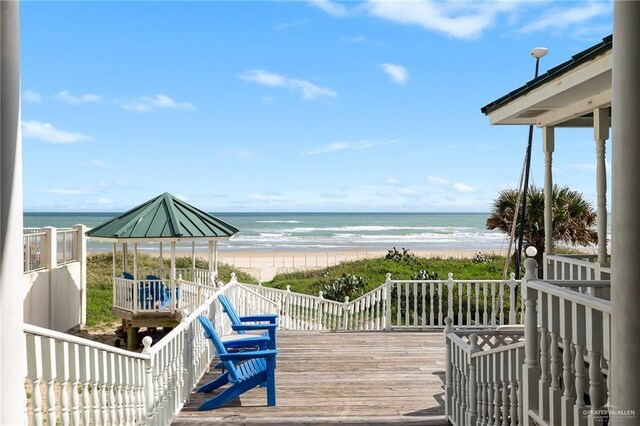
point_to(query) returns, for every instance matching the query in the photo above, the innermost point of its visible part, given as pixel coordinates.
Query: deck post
(448, 386)
(472, 409)
(12, 341)
(530, 369)
(625, 291)
(81, 255)
(387, 310)
(149, 398)
(548, 146)
(601, 134)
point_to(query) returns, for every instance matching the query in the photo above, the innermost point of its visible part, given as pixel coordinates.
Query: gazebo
(158, 297)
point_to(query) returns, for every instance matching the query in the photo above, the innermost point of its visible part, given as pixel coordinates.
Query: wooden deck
(342, 377)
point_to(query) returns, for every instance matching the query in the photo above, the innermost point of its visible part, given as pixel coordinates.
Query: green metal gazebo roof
(164, 218)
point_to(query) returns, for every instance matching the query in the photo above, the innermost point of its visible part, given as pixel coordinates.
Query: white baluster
(450, 284)
(49, 374)
(448, 386)
(581, 382)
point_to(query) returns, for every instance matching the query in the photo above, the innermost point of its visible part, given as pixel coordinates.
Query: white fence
(483, 382)
(54, 277)
(583, 267)
(401, 304)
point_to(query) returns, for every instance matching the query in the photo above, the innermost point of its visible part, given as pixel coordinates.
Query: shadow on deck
(342, 377)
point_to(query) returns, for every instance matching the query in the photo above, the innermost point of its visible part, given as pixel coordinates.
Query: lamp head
(531, 251)
(539, 52)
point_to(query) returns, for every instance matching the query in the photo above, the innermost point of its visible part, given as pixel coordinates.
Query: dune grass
(373, 272)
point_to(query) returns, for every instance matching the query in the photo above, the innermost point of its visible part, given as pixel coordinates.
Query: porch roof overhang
(564, 96)
(163, 219)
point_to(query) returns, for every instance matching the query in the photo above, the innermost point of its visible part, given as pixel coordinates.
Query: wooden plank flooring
(342, 377)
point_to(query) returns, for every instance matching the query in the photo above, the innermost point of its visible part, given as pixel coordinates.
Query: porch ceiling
(565, 96)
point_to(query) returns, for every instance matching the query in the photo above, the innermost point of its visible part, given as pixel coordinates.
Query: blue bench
(244, 370)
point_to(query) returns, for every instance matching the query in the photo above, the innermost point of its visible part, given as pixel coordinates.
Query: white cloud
(285, 25)
(307, 89)
(269, 198)
(406, 191)
(562, 18)
(46, 132)
(147, 103)
(64, 191)
(466, 20)
(397, 73)
(67, 97)
(461, 187)
(103, 201)
(31, 96)
(392, 181)
(331, 7)
(265, 78)
(336, 146)
(435, 180)
(339, 146)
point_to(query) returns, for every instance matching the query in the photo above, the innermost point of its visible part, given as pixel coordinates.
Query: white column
(12, 358)
(600, 135)
(172, 276)
(625, 345)
(81, 254)
(548, 146)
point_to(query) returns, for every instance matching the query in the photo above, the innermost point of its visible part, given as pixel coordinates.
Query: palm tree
(574, 219)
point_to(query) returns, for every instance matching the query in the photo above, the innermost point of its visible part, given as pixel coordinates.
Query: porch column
(625, 291)
(548, 146)
(12, 362)
(600, 135)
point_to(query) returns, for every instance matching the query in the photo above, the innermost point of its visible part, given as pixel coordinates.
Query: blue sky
(289, 105)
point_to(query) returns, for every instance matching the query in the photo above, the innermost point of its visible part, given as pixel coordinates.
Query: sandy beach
(266, 264)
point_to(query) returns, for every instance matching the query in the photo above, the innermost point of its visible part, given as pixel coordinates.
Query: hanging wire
(515, 221)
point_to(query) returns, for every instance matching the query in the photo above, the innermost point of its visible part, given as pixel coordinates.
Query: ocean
(325, 231)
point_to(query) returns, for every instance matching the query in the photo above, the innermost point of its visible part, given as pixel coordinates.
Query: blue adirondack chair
(156, 292)
(244, 370)
(238, 323)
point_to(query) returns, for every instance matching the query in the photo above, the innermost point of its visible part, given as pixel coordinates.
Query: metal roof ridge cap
(173, 217)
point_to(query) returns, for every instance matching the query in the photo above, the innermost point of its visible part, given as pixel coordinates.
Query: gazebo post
(193, 261)
(215, 257)
(113, 253)
(172, 276)
(161, 262)
(135, 260)
(125, 247)
(210, 259)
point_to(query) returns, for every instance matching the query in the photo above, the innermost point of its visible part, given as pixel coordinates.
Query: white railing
(483, 382)
(475, 303)
(568, 357)
(77, 381)
(401, 304)
(202, 276)
(575, 267)
(34, 250)
(155, 295)
(66, 244)
(71, 380)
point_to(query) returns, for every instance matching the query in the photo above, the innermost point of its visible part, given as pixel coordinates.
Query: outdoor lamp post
(537, 52)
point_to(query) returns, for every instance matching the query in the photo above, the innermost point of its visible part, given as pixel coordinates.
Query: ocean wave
(376, 228)
(278, 221)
